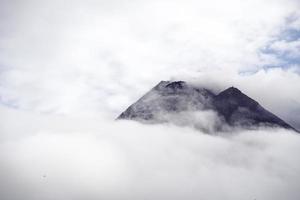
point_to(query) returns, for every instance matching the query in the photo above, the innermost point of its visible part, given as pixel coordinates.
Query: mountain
(188, 105)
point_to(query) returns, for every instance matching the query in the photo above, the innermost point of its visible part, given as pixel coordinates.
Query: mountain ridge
(232, 107)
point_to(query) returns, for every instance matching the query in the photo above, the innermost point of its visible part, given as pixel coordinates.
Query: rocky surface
(175, 101)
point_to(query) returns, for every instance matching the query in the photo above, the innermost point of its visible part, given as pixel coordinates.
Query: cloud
(74, 56)
(89, 60)
(291, 49)
(83, 158)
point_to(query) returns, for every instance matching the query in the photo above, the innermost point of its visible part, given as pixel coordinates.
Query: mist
(88, 158)
(69, 68)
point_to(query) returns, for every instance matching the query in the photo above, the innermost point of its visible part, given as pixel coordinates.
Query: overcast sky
(100, 56)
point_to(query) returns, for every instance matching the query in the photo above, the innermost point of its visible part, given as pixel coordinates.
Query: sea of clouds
(69, 68)
(56, 157)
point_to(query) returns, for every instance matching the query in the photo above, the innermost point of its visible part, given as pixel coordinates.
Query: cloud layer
(77, 158)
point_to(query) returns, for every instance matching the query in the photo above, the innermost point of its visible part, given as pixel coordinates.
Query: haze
(69, 68)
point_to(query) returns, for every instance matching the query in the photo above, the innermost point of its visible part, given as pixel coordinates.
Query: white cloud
(89, 56)
(96, 57)
(290, 49)
(81, 158)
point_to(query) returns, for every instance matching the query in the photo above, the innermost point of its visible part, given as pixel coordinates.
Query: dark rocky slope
(231, 107)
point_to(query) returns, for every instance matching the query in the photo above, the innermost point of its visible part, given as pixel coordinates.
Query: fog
(51, 157)
(69, 68)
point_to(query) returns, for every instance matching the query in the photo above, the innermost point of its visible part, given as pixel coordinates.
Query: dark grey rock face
(239, 109)
(174, 101)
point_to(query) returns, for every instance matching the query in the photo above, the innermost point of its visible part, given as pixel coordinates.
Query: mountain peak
(176, 85)
(232, 107)
(231, 99)
(230, 91)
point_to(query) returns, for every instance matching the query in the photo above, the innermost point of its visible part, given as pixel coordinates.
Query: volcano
(173, 102)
